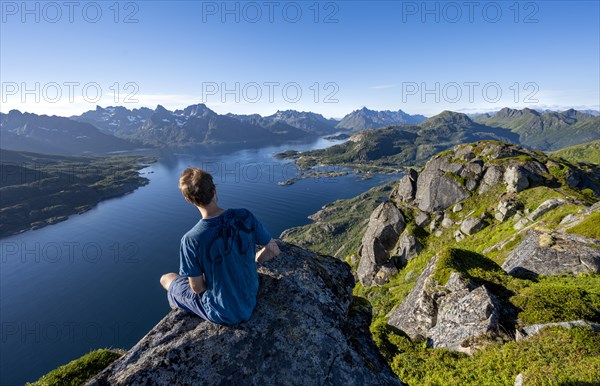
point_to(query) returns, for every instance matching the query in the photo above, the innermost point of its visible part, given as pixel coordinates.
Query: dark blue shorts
(181, 296)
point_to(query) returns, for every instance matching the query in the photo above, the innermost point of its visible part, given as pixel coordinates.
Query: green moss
(589, 193)
(388, 338)
(555, 216)
(418, 232)
(444, 153)
(589, 227)
(552, 300)
(518, 159)
(80, 370)
(554, 356)
(558, 170)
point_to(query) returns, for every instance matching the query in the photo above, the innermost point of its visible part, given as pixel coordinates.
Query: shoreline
(66, 188)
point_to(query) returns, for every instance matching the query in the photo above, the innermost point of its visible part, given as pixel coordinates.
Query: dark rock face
(553, 254)
(448, 316)
(385, 226)
(305, 330)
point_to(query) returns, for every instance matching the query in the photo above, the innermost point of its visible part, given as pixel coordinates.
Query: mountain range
(198, 124)
(550, 130)
(56, 135)
(402, 145)
(118, 128)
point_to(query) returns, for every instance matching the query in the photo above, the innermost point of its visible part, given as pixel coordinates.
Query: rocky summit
(486, 240)
(307, 329)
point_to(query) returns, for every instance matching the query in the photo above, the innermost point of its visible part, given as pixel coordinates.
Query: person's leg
(181, 296)
(167, 279)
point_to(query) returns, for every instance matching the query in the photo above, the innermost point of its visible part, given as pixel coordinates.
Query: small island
(41, 189)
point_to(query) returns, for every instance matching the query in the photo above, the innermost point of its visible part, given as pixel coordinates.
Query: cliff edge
(307, 329)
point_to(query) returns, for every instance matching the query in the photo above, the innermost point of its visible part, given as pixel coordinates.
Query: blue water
(92, 281)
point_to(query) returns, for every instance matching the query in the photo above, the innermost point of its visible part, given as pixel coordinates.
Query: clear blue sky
(382, 55)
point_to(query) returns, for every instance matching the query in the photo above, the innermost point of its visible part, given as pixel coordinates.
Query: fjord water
(92, 281)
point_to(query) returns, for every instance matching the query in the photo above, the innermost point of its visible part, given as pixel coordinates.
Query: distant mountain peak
(365, 118)
(195, 110)
(449, 118)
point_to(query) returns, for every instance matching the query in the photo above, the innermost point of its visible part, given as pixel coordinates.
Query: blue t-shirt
(222, 248)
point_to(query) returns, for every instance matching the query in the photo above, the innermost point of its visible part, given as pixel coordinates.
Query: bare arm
(197, 284)
(268, 252)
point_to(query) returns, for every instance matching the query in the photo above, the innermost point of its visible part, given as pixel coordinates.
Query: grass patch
(532, 198)
(80, 370)
(590, 227)
(562, 298)
(555, 356)
(585, 152)
(473, 265)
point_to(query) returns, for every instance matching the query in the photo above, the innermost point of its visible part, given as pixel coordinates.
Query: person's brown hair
(197, 186)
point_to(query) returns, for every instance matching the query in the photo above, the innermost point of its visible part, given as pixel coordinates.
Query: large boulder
(437, 190)
(416, 315)
(515, 179)
(555, 253)
(377, 248)
(450, 316)
(407, 187)
(462, 314)
(493, 175)
(305, 330)
(472, 225)
(408, 247)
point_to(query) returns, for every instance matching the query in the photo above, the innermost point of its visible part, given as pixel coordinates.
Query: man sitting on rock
(217, 274)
